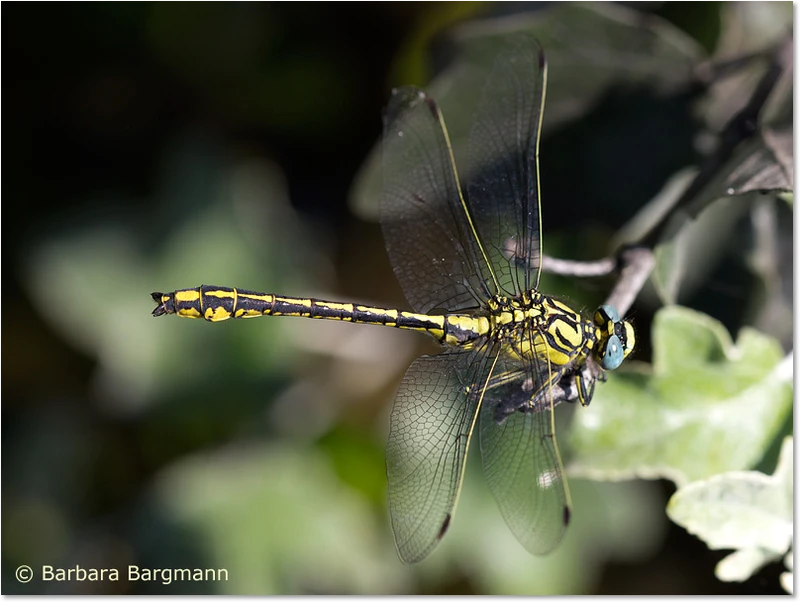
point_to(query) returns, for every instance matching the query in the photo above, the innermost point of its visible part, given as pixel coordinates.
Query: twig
(739, 128)
(635, 262)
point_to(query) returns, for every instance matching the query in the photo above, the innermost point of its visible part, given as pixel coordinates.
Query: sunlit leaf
(749, 512)
(705, 406)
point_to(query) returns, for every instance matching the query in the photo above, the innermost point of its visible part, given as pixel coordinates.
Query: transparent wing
(503, 187)
(432, 421)
(431, 242)
(521, 460)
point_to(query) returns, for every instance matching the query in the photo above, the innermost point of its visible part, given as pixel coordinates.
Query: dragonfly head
(615, 337)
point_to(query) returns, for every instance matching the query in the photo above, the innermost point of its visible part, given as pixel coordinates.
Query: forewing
(431, 243)
(521, 460)
(503, 178)
(432, 421)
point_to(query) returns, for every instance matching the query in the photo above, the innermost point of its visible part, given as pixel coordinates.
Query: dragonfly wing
(431, 425)
(431, 243)
(522, 463)
(503, 167)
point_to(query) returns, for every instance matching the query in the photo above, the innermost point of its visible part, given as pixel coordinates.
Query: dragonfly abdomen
(218, 303)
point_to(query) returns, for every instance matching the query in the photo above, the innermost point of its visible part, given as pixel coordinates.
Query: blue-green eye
(611, 312)
(614, 354)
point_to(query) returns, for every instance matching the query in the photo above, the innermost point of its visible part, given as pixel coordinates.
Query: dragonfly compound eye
(605, 314)
(614, 353)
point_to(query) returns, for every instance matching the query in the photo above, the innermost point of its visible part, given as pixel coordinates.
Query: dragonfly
(468, 258)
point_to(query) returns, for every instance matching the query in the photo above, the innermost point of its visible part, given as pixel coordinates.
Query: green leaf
(92, 279)
(749, 512)
(706, 406)
(277, 518)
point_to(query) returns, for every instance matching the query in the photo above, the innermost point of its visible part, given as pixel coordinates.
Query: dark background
(120, 118)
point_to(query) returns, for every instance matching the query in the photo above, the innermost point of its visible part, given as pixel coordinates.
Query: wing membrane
(521, 460)
(454, 253)
(431, 242)
(432, 421)
(503, 152)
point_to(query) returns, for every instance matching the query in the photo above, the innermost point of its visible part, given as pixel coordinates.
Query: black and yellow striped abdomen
(218, 303)
(533, 327)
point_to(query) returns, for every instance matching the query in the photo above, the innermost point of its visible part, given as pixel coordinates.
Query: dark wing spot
(567, 515)
(445, 526)
(432, 106)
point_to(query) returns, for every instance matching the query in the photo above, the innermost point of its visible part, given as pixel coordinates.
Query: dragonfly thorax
(536, 327)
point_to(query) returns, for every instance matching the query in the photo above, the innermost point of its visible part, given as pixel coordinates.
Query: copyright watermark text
(165, 576)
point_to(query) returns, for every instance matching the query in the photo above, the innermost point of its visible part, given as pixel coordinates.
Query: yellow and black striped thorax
(536, 326)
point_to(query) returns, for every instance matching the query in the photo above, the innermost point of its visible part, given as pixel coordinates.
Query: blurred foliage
(157, 146)
(704, 407)
(749, 512)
